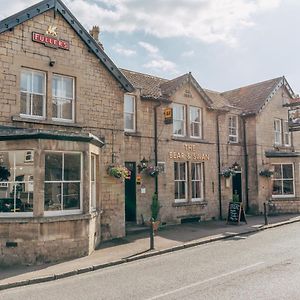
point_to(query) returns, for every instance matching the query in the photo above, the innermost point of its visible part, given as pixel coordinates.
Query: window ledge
(234, 143)
(46, 122)
(193, 203)
(48, 219)
(188, 139)
(133, 133)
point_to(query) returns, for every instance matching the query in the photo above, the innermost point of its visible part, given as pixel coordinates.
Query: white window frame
(197, 123)
(182, 120)
(198, 181)
(277, 132)
(176, 181)
(233, 138)
(132, 113)
(282, 179)
(62, 99)
(286, 134)
(5, 184)
(29, 156)
(93, 181)
(30, 93)
(73, 211)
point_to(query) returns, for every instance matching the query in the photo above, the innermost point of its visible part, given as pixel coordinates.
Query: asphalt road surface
(265, 265)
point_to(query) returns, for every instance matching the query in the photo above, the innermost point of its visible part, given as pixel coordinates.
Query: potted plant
(227, 172)
(155, 207)
(151, 171)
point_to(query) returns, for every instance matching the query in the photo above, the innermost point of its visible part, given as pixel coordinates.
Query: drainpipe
(219, 168)
(246, 163)
(156, 145)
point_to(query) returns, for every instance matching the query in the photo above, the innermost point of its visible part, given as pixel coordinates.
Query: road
(265, 265)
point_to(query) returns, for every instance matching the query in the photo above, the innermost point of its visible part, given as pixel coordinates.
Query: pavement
(136, 245)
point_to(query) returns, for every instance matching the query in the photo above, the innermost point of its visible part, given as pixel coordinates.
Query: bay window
(33, 94)
(16, 182)
(62, 182)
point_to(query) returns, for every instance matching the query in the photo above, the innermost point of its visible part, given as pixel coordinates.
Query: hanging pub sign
(168, 114)
(50, 39)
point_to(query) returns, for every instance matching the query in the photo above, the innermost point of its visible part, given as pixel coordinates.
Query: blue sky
(224, 43)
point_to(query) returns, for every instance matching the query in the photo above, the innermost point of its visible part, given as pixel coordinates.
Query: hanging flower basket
(227, 173)
(119, 172)
(266, 173)
(152, 171)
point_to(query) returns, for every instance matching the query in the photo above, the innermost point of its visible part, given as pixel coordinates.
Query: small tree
(155, 207)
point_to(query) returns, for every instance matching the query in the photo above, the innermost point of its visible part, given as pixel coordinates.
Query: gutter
(246, 162)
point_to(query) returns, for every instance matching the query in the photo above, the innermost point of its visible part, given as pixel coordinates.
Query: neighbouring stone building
(69, 119)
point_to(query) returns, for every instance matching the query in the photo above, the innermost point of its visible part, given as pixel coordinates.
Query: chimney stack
(94, 32)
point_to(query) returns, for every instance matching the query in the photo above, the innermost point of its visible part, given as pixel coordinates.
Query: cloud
(123, 51)
(188, 53)
(161, 64)
(206, 20)
(149, 48)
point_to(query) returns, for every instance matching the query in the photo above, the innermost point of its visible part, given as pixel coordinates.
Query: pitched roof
(159, 88)
(41, 7)
(252, 98)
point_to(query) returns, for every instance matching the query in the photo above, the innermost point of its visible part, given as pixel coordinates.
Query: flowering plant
(119, 172)
(151, 171)
(227, 172)
(266, 173)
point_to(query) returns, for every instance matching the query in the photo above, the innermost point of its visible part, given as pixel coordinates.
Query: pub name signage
(189, 153)
(50, 39)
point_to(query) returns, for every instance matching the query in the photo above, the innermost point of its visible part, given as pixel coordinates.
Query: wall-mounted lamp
(142, 165)
(52, 62)
(236, 166)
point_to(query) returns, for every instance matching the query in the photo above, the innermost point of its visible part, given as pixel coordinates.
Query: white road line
(205, 281)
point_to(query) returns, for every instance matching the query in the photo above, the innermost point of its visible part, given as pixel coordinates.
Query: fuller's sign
(50, 41)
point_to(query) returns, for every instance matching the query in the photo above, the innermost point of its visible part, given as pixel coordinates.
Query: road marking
(205, 281)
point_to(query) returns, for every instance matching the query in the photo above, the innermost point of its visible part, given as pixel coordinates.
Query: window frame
(181, 200)
(61, 99)
(199, 109)
(277, 133)
(5, 184)
(65, 212)
(286, 134)
(183, 121)
(234, 137)
(93, 182)
(133, 113)
(199, 181)
(44, 94)
(282, 179)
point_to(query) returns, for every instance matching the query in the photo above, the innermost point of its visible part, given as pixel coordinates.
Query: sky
(226, 44)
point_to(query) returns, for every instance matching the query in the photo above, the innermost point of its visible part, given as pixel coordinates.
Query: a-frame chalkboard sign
(236, 213)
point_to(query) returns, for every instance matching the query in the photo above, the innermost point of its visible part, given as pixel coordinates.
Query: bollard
(265, 214)
(151, 235)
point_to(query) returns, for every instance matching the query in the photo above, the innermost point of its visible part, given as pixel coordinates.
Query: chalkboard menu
(236, 213)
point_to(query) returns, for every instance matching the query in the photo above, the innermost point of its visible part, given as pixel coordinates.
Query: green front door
(130, 193)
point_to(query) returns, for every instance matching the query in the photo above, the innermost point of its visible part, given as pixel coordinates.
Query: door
(130, 193)
(237, 185)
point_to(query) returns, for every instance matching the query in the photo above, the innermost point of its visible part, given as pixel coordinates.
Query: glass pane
(53, 166)
(287, 171)
(129, 121)
(68, 87)
(93, 168)
(277, 171)
(288, 188)
(93, 194)
(25, 104)
(37, 105)
(55, 108)
(38, 83)
(277, 187)
(52, 196)
(25, 81)
(71, 195)
(181, 190)
(195, 129)
(196, 189)
(129, 104)
(8, 198)
(55, 87)
(182, 171)
(72, 163)
(6, 166)
(178, 127)
(66, 109)
(176, 173)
